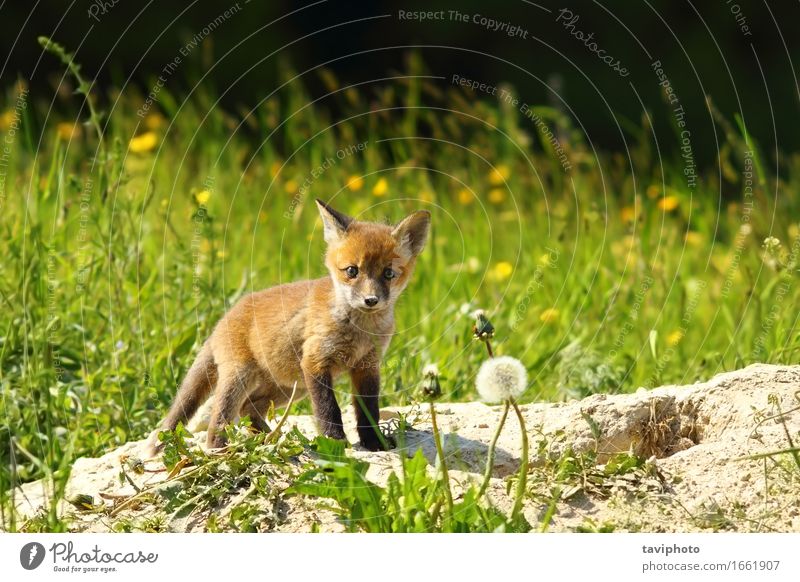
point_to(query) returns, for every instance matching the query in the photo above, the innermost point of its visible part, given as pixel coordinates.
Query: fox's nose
(371, 300)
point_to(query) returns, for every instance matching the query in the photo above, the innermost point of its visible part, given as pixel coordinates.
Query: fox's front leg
(319, 384)
(366, 379)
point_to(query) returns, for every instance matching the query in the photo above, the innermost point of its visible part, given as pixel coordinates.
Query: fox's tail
(200, 380)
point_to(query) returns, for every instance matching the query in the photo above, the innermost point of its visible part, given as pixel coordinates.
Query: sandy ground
(695, 438)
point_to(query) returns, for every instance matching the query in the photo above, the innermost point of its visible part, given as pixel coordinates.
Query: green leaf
(653, 344)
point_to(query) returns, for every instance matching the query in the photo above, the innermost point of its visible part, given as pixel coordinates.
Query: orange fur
(309, 332)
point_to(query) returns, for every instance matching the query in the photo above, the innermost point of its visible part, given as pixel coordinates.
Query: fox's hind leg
(195, 388)
(232, 388)
(255, 405)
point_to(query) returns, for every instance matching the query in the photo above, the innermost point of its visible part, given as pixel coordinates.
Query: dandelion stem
(522, 480)
(489, 348)
(440, 452)
(487, 476)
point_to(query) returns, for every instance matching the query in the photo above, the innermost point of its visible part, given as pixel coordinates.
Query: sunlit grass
(115, 271)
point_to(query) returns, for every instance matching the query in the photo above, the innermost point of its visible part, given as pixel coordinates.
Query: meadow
(604, 273)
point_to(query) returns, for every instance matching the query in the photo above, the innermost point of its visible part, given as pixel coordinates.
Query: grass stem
(442, 463)
(487, 476)
(522, 480)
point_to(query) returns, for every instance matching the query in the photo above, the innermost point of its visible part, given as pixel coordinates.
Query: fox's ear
(334, 222)
(412, 232)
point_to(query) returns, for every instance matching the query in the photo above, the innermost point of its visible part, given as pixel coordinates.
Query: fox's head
(371, 263)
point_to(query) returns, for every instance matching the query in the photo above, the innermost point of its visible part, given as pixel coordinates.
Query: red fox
(309, 332)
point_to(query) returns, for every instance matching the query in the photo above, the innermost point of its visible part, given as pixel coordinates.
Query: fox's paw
(153, 446)
(336, 433)
(375, 443)
(216, 440)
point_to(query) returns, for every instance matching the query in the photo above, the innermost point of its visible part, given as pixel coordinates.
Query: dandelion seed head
(501, 378)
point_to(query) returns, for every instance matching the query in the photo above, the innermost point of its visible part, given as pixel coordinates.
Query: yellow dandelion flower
(154, 121)
(465, 197)
(693, 238)
(545, 259)
(675, 337)
(502, 271)
(426, 196)
(275, 168)
(653, 192)
(629, 241)
(262, 217)
(499, 174)
(497, 195)
(628, 214)
(67, 131)
(205, 246)
(549, 315)
(668, 203)
(143, 143)
(291, 186)
(380, 188)
(355, 183)
(6, 119)
(794, 231)
(220, 254)
(203, 196)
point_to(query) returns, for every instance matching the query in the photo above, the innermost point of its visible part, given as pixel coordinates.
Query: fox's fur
(309, 332)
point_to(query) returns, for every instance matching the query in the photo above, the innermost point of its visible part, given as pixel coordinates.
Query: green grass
(416, 503)
(114, 272)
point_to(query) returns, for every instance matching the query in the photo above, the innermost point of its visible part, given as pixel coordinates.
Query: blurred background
(738, 53)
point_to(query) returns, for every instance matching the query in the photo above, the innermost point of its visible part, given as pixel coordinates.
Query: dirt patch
(698, 441)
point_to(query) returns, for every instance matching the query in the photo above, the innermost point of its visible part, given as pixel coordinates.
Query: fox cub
(309, 332)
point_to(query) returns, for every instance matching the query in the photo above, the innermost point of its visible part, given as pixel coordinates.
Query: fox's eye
(352, 271)
(389, 274)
